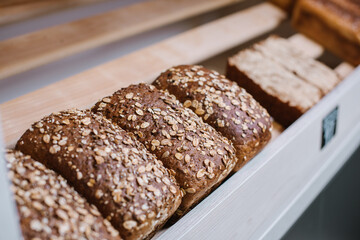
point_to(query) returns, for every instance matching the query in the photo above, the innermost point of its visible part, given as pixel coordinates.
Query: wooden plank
(16, 12)
(13, 2)
(41, 47)
(86, 88)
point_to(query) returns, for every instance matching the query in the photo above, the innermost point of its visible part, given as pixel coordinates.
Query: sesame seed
(107, 100)
(98, 194)
(200, 173)
(235, 102)
(99, 159)
(36, 225)
(166, 142)
(46, 138)
(187, 103)
(79, 175)
(54, 149)
(86, 121)
(141, 169)
(61, 214)
(140, 181)
(190, 190)
(86, 132)
(178, 156)
(220, 123)
(91, 182)
(129, 224)
(49, 201)
(165, 154)
(187, 158)
(200, 111)
(62, 142)
(117, 195)
(155, 143)
(172, 189)
(145, 125)
(129, 96)
(195, 142)
(139, 112)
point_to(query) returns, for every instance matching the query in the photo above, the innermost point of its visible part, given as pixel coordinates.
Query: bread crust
(196, 154)
(222, 104)
(48, 207)
(108, 166)
(279, 90)
(281, 51)
(281, 111)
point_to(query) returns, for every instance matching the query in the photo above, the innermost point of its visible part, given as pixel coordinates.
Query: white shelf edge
(9, 222)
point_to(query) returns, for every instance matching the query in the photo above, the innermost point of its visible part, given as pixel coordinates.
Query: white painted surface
(9, 224)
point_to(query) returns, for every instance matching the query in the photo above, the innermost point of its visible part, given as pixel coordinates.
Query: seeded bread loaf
(48, 207)
(108, 166)
(222, 104)
(279, 90)
(314, 72)
(335, 24)
(198, 156)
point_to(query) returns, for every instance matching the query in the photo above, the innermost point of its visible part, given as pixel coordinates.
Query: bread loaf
(222, 104)
(198, 156)
(335, 24)
(108, 166)
(314, 72)
(280, 91)
(48, 207)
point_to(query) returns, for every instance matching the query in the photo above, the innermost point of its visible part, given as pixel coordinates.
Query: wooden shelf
(19, 11)
(38, 48)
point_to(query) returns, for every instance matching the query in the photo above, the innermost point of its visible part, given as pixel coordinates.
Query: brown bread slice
(282, 93)
(48, 207)
(222, 104)
(199, 157)
(335, 24)
(108, 166)
(314, 72)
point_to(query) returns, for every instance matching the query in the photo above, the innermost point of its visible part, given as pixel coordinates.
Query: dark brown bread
(279, 90)
(335, 24)
(108, 166)
(48, 207)
(198, 156)
(222, 104)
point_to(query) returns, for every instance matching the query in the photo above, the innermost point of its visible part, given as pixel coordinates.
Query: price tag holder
(329, 124)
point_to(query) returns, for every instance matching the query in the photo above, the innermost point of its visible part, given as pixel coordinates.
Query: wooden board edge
(41, 47)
